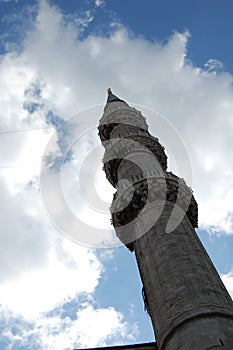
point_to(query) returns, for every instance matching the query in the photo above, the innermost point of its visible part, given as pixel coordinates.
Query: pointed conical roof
(112, 97)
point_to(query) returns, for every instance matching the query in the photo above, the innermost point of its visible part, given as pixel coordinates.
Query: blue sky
(57, 60)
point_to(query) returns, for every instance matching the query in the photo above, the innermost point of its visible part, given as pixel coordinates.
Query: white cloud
(42, 288)
(37, 262)
(112, 326)
(228, 281)
(83, 22)
(213, 65)
(99, 3)
(89, 327)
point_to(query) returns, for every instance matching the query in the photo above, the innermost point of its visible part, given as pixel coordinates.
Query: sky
(65, 280)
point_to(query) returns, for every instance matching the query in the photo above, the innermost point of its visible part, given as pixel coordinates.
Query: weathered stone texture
(154, 213)
(182, 286)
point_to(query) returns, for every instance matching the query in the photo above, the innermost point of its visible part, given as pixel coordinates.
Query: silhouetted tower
(154, 214)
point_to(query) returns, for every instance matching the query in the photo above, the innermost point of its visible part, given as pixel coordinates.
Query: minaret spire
(111, 96)
(189, 306)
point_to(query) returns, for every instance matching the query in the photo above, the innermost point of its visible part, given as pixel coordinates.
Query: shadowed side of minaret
(189, 306)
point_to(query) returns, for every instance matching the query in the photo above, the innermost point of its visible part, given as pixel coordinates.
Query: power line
(25, 130)
(32, 129)
(45, 128)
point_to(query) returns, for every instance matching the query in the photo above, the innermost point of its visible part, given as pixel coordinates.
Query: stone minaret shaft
(154, 214)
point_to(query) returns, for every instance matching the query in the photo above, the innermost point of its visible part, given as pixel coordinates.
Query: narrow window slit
(221, 342)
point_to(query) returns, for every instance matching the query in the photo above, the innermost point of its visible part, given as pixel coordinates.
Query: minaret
(154, 214)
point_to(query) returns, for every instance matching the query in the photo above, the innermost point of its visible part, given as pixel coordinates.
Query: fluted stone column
(154, 214)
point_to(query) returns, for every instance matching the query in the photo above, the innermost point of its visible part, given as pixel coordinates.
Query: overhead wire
(33, 129)
(45, 128)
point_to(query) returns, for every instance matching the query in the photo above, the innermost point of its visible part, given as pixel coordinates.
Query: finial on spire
(111, 97)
